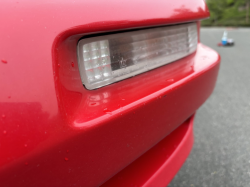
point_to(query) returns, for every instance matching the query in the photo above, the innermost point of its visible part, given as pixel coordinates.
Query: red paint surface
(158, 166)
(4, 61)
(46, 107)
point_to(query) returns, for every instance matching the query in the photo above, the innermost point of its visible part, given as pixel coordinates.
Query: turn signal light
(110, 58)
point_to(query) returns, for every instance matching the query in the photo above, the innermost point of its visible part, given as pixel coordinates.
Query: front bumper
(159, 165)
(98, 133)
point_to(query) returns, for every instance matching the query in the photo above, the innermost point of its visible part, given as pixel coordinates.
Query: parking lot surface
(221, 153)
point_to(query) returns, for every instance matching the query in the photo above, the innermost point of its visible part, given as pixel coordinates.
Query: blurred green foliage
(228, 13)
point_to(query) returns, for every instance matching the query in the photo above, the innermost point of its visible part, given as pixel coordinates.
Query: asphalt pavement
(221, 153)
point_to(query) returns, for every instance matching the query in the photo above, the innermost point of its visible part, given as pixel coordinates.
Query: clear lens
(107, 59)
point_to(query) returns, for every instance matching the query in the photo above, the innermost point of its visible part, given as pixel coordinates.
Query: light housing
(106, 59)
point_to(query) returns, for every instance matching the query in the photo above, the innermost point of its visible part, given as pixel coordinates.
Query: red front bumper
(57, 133)
(159, 165)
(86, 145)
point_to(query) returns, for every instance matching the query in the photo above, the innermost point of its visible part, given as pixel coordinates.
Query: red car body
(54, 132)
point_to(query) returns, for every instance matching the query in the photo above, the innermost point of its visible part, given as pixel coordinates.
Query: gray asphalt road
(221, 153)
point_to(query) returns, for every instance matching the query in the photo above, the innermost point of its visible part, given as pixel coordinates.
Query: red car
(100, 93)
